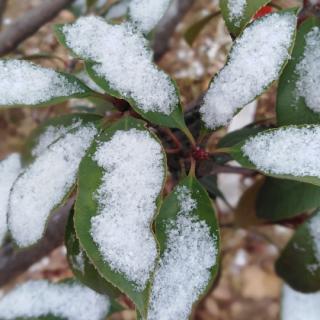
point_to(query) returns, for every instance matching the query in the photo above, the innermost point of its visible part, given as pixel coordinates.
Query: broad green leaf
(186, 223)
(82, 267)
(87, 207)
(236, 23)
(234, 137)
(245, 213)
(283, 199)
(53, 129)
(23, 83)
(44, 300)
(250, 71)
(46, 183)
(173, 120)
(195, 29)
(292, 109)
(299, 263)
(238, 154)
(211, 185)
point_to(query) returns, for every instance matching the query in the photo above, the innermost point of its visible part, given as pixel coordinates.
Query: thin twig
(29, 23)
(13, 262)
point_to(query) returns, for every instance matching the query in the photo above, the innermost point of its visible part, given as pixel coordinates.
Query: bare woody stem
(29, 23)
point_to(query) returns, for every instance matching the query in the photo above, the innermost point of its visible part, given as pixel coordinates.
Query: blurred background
(247, 287)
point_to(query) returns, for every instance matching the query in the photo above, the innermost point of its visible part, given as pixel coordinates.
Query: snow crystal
(236, 10)
(123, 60)
(299, 306)
(308, 71)
(146, 14)
(24, 83)
(133, 178)
(184, 269)
(41, 298)
(254, 62)
(50, 135)
(314, 227)
(44, 184)
(79, 261)
(290, 150)
(9, 171)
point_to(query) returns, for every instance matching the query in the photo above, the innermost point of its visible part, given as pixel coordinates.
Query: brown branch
(13, 262)
(28, 24)
(168, 25)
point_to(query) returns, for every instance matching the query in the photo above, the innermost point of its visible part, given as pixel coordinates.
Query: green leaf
(114, 306)
(299, 264)
(195, 29)
(82, 267)
(65, 121)
(283, 199)
(211, 185)
(245, 214)
(188, 190)
(236, 26)
(54, 82)
(32, 199)
(290, 108)
(173, 120)
(212, 116)
(234, 137)
(86, 207)
(238, 154)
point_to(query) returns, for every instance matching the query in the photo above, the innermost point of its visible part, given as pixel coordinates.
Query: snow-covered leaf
(299, 306)
(119, 61)
(46, 183)
(238, 13)
(82, 267)
(299, 263)
(146, 14)
(9, 171)
(256, 60)
(298, 99)
(234, 137)
(288, 152)
(68, 300)
(187, 231)
(284, 199)
(120, 184)
(52, 130)
(23, 83)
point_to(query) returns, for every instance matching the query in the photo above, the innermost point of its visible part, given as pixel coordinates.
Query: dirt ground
(248, 288)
